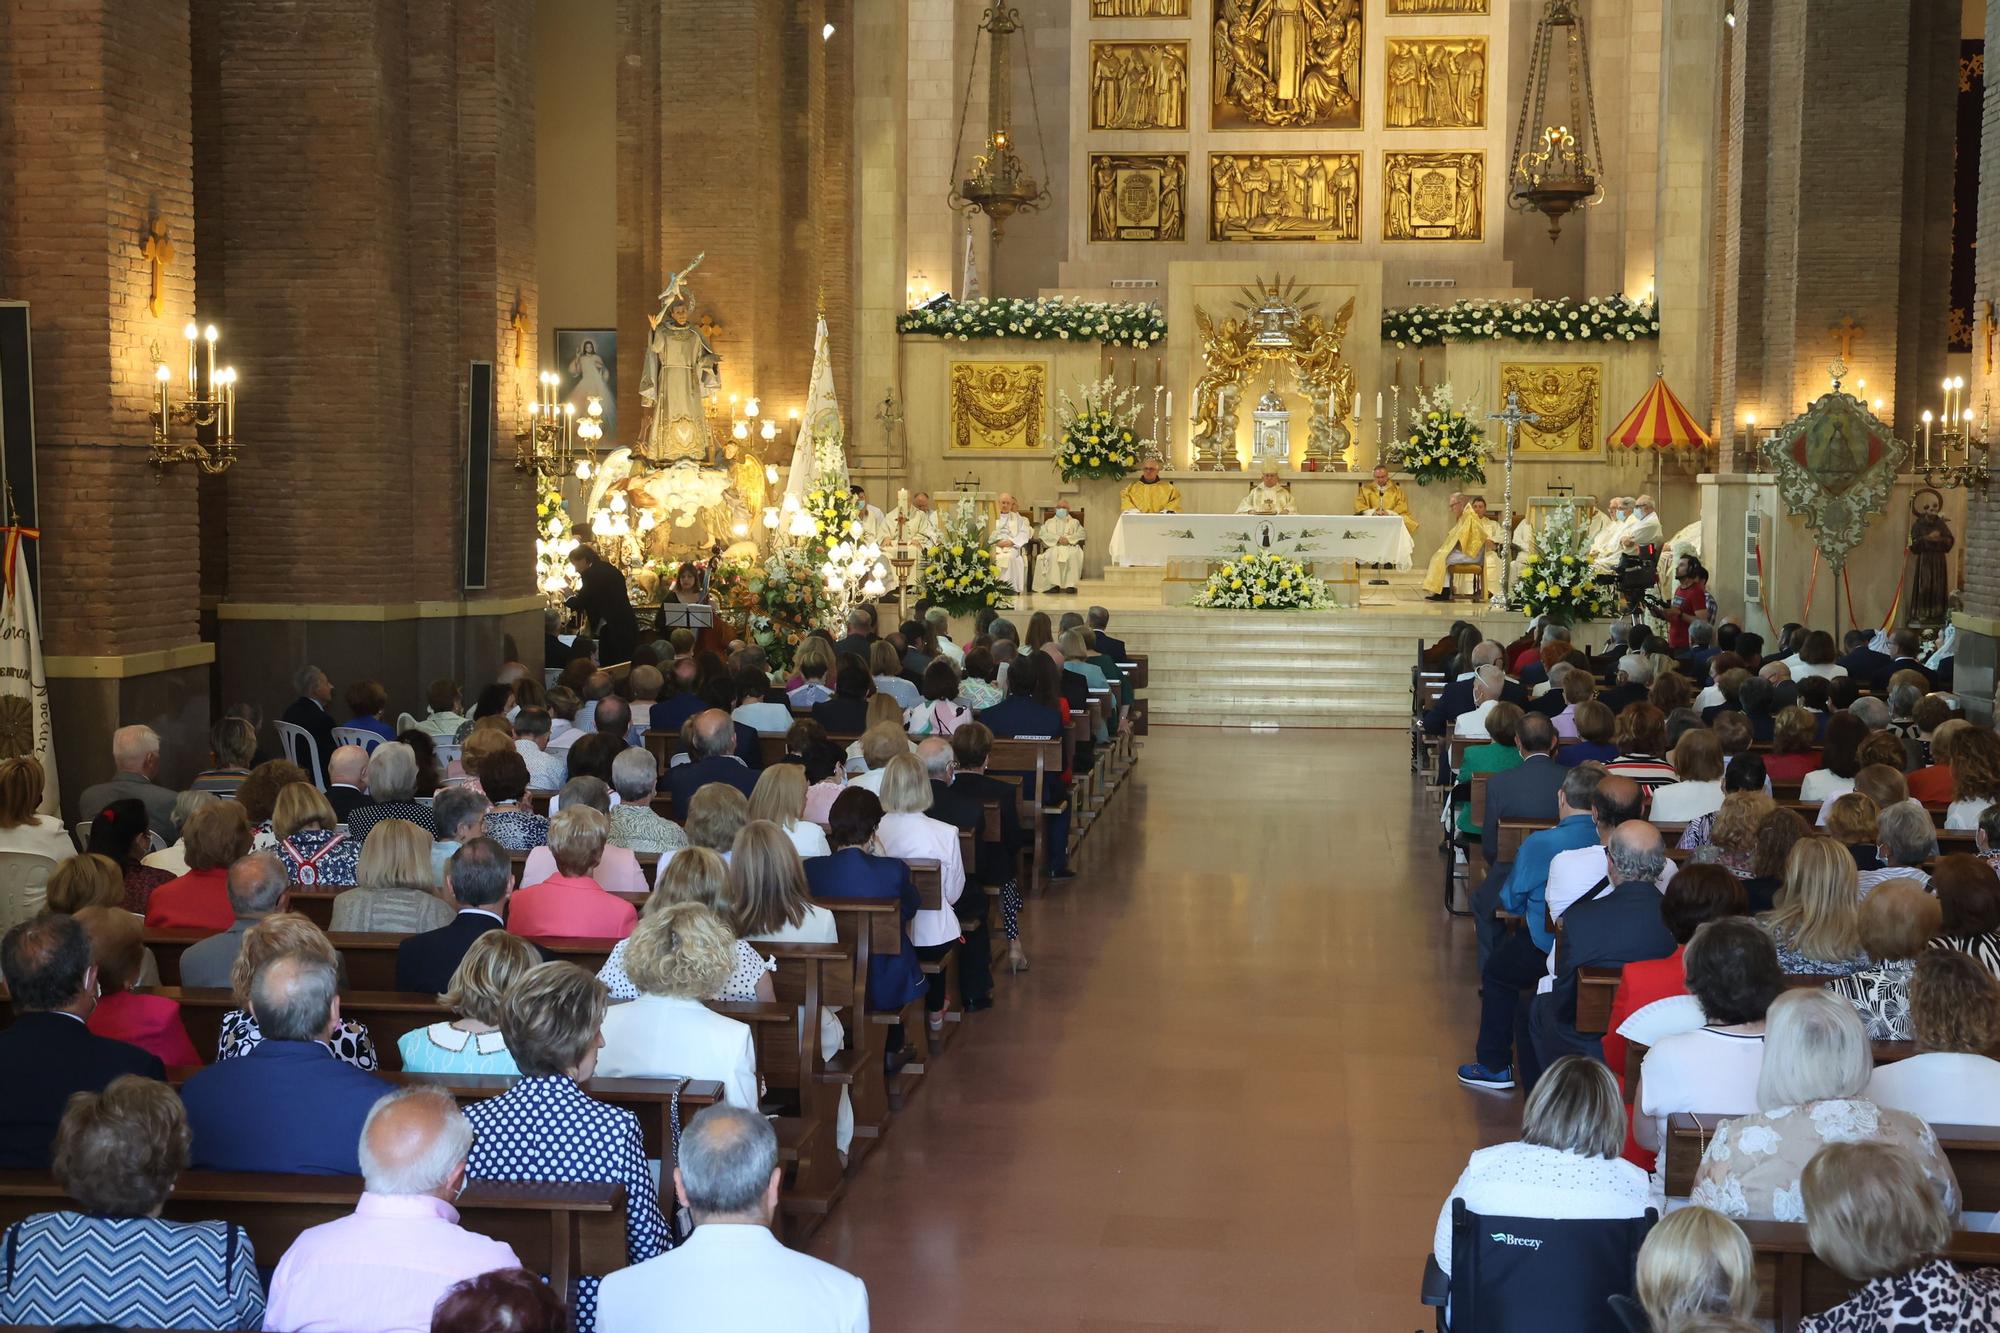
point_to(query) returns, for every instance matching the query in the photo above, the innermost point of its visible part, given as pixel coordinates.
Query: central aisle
(1224, 1097)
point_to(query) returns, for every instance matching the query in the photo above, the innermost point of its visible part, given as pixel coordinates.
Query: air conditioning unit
(1755, 526)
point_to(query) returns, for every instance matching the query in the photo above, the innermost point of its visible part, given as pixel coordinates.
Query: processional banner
(25, 727)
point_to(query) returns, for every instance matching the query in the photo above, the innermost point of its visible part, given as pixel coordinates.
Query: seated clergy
(1380, 495)
(732, 1273)
(1268, 496)
(1474, 538)
(1150, 493)
(1060, 564)
(386, 1266)
(1011, 535)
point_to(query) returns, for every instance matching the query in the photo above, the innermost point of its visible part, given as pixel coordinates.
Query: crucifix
(1846, 333)
(1511, 420)
(518, 321)
(158, 250)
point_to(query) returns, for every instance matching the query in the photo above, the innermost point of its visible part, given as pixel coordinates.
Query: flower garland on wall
(1557, 581)
(1444, 445)
(1098, 439)
(1263, 582)
(960, 571)
(1599, 319)
(1114, 323)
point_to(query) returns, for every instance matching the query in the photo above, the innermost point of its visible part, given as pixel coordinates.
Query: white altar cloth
(1156, 539)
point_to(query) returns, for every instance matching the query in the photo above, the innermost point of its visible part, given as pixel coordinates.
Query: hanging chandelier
(1557, 169)
(998, 183)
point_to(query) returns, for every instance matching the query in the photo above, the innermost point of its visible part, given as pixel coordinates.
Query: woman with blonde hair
(22, 827)
(715, 815)
(1811, 1092)
(472, 1043)
(879, 744)
(765, 895)
(883, 713)
(1898, 921)
(89, 880)
(1695, 1263)
(571, 901)
(697, 875)
(617, 868)
(316, 851)
(780, 798)
(394, 890)
(678, 957)
(284, 933)
(1873, 1215)
(1816, 922)
(811, 665)
(1731, 831)
(907, 832)
(1853, 821)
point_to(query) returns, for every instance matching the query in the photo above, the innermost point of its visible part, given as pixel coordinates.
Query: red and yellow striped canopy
(1659, 422)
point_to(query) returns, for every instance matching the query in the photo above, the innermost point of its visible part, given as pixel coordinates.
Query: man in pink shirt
(383, 1269)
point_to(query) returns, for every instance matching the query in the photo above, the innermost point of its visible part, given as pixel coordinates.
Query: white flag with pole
(819, 428)
(24, 684)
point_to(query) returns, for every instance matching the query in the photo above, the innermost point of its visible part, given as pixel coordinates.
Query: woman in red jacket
(150, 1022)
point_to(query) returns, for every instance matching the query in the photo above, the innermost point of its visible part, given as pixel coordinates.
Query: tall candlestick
(1397, 383)
(208, 335)
(1167, 440)
(1420, 372)
(193, 333)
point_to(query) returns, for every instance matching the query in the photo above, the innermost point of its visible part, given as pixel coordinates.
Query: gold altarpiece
(1273, 328)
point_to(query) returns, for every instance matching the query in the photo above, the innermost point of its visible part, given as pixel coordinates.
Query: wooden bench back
(1793, 1282)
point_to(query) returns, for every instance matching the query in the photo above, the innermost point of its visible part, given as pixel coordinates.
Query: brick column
(882, 122)
(95, 141)
(1979, 540)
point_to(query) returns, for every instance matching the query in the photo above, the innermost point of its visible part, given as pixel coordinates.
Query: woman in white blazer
(675, 956)
(907, 832)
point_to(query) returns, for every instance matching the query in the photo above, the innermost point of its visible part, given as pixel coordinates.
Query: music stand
(686, 615)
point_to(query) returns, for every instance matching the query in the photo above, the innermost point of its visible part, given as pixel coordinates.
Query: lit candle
(1926, 456)
(1170, 414)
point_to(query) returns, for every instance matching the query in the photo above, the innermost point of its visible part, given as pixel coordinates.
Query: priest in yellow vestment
(1473, 537)
(1151, 493)
(1383, 496)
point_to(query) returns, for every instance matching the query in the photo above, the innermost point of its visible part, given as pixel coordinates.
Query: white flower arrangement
(1444, 444)
(961, 573)
(1114, 323)
(1099, 435)
(555, 577)
(1263, 581)
(1599, 319)
(1558, 581)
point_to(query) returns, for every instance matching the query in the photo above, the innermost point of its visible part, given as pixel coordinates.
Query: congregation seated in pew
(1953, 1078)
(395, 890)
(571, 901)
(472, 1043)
(676, 958)
(696, 875)
(616, 869)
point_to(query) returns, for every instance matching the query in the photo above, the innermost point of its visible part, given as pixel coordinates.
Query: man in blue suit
(1863, 663)
(715, 760)
(480, 877)
(1097, 617)
(1526, 791)
(290, 1104)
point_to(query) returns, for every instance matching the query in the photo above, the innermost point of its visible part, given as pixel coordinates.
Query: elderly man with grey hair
(714, 760)
(1906, 841)
(732, 1272)
(290, 1104)
(635, 776)
(1488, 682)
(135, 757)
(385, 1266)
(312, 712)
(392, 788)
(860, 633)
(347, 780)
(1456, 697)
(258, 887)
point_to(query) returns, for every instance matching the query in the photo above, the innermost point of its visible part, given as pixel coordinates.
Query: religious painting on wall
(1138, 196)
(1284, 196)
(999, 406)
(1404, 8)
(1289, 64)
(1138, 9)
(1138, 85)
(1436, 83)
(587, 360)
(1565, 395)
(1433, 196)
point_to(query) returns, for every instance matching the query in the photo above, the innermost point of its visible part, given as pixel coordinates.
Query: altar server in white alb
(1607, 537)
(1011, 535)
(1269, 496)
(1060, 564)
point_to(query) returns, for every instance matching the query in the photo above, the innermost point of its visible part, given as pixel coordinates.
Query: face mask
(1062, 513)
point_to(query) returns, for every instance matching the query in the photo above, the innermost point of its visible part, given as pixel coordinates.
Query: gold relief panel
(1138, 85)
(1565, 395)
(998, 406)
(1403, 8)
(1436, 83)
(1284, 196)
(1290, 64)
(1433, 196)
(1138, 196)
(1139, 9)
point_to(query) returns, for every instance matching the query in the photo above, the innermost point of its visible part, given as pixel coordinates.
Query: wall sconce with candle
(546, 446)
(207, 407)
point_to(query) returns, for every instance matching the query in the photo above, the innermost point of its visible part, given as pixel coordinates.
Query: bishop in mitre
(1011, 535)
(1474, 537)
(680, 375)
(1150, 493)
(1060, 564)
(1380, 495)
(1268, 497)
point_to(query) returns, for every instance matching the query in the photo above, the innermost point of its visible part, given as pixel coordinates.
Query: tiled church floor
(1223, 1097)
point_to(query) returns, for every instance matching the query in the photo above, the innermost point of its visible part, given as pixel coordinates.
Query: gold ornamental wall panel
(1141, 9)
(1408, 8)
(1435, 83)
(1138, 85)
(1433, 196)
(1566, 395)
(998, 406)
(1285, 64)
(1284, 196)
(1138, 196)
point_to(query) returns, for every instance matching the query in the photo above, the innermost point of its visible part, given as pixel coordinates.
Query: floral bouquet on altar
(778, 601)
(832, 509)
(554, 536)
(1557, 580)
(960, 572)
(1263, 581)
(1444, 445)
(1099, 438)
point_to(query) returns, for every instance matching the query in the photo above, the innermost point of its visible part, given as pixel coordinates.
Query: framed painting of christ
(587, 362)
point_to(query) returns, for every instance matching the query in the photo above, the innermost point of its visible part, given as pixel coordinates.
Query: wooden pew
(1596, 987)
(1972, 1150)
(650, 1099)
(563, 1230)
(1029, 762)
(817, 976)
(1793, 1282)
